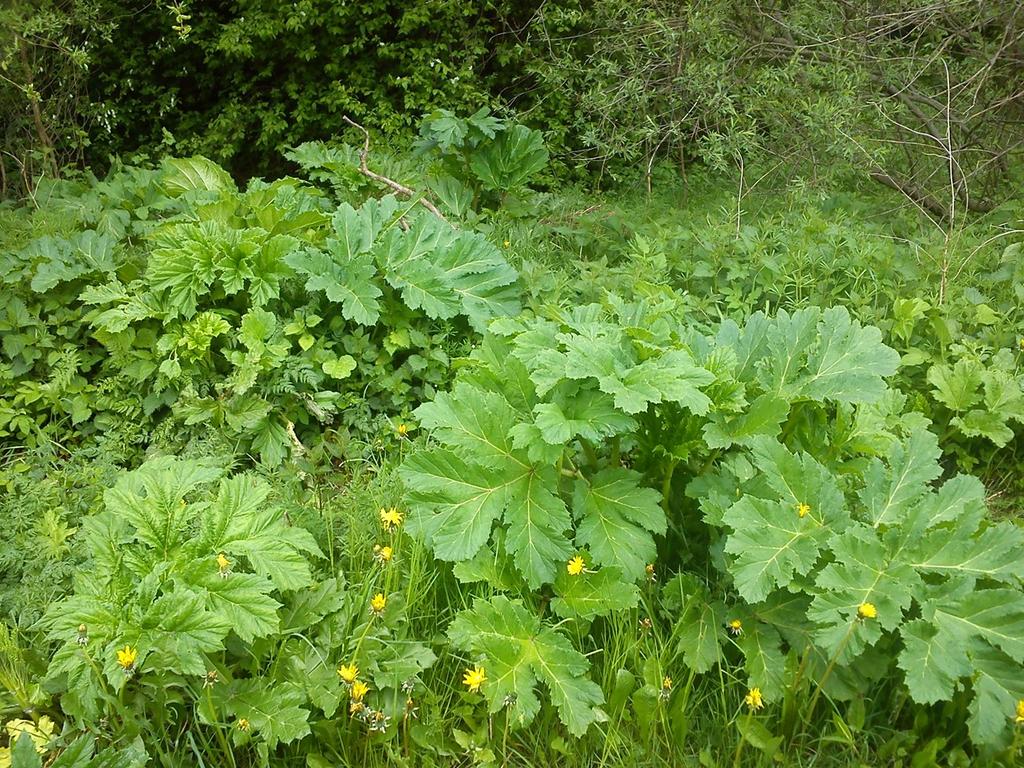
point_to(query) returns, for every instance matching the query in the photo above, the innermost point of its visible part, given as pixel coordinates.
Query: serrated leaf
(536, 523)
(890, 492)
(932, 662)
(865, 571)
(997, 689)
(593, 594)
(511, 159)
(957, 386)
(241, 597)
(518, 653)
(346, 280)
(848, 361)
(473, 420)
(698, 622)
(455, 503)
(763, 417)
(177, 632)
(189, 174)
(617, 517)
(994, 615)
(238, 522)
(587, 414)
(958, 550)
(772, 541)
(273, 709)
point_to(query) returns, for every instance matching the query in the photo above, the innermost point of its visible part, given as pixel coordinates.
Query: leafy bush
(165, 299)
(205, 606)
(824, 545)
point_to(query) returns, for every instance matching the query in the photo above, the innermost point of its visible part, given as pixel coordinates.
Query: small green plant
(205, 604)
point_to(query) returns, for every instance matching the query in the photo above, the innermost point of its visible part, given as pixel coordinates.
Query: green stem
(828, 671)
(666, 484)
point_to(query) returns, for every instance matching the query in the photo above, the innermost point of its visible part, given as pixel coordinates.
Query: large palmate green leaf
(518, 652)
(192, 174)
(780, 536)
(593, 593)
(616, 519)
(812, 354)
(509, 161)
(462, 491)
(866, 570)
(890, 492)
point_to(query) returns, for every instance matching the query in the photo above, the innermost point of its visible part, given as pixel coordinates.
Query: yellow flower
(753, 699)
(666, 683)
(1020, 712)
(243, 724)
(377, 603)
(651, 576)
(867, 611)
(508, 243)
(474, 678)
(383, 554)
(403, 430)
(126, 657)
(223, 564)
(802, 509)
(575, 566)
(735, 627)
(359, 690)
(355, 707)
(348, 673)
(390, 519)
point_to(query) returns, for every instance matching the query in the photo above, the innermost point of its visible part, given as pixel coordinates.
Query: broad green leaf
(932, 662)
(346, 280)
(593, 594)
(587, 414)
(957, 386)
(890, 492)
(189, 174)
(339, 367)
(771, 543)
(998, 686)
(455, 503)
(176, 633)
(698, 622)
(771, 539)
(518, 653)
(864, 571)
(764, 416)
(472, 420)
(273, 709)
(536, 523)
(848, 361)
(958, 550)
(788, 339)
(243, 598)
(516, 155)
(616, 519)
(994, 615)
(240, 523)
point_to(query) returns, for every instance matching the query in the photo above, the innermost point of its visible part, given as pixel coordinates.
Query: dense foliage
(392, 458)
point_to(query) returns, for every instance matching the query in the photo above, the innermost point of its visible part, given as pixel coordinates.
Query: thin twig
(399, 188)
